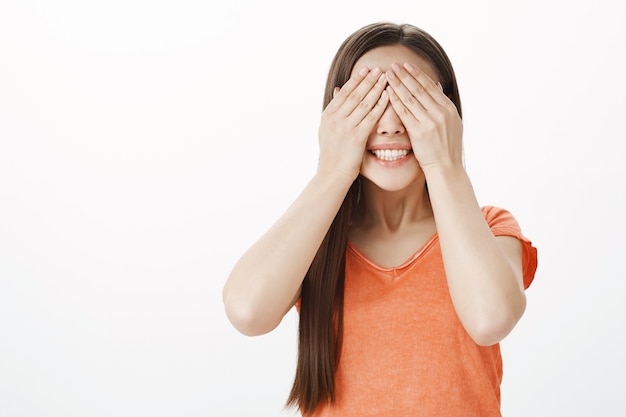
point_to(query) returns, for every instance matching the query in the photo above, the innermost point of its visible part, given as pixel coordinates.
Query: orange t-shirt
(405, 352)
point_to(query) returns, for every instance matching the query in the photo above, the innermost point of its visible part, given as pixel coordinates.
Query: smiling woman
(144, 146)
(404, 284)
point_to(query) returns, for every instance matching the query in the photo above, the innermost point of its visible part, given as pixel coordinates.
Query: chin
(392, 184)
(392, 180)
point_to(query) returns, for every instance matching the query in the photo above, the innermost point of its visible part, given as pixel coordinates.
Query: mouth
(390, 154)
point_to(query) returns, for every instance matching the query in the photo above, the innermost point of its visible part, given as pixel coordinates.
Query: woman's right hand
(263, 287)
(348, 120)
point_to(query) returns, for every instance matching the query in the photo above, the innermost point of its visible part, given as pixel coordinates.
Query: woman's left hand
(431, 120)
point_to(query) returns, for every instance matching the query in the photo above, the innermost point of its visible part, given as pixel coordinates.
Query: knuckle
(430, 86)
(404, 111)
(355, 96)
(451, 108)
(417, 90)
(371, 117)
(342, 94)
(438, 117)
(410, 99)
(363, 105)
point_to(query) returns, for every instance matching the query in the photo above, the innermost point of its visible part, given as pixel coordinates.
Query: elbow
(246, 319)
(488, 336)
(493, 327)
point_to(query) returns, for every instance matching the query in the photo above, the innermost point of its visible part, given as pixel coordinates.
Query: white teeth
(390, 154)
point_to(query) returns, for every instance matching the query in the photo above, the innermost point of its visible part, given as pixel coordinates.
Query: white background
(145, 145)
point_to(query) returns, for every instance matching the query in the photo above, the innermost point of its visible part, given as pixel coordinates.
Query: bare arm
(265, 283)
(484, 273)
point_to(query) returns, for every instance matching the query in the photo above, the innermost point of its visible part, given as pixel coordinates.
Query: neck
(390, 211)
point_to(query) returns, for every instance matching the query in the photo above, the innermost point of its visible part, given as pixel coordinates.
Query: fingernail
(391, 75)
(376, 72)
(395, 67)
(382, 79)
(409, 66)
(363, 71)
(440, 86)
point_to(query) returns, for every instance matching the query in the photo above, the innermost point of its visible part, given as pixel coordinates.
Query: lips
(390, 154)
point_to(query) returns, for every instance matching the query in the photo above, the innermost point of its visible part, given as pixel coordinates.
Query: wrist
(336, 177)
(446, 172)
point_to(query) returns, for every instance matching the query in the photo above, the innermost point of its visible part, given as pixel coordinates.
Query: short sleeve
(502, 223)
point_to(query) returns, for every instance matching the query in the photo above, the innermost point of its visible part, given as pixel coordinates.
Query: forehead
(383, 56)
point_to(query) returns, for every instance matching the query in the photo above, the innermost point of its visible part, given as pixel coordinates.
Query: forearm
(484, 285)
(265, 282)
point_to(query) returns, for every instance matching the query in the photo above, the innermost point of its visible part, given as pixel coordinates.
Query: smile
(390, 154)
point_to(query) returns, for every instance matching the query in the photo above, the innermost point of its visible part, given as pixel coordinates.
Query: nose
(389, 123)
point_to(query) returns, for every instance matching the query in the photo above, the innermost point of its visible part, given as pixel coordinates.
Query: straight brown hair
(321, 298)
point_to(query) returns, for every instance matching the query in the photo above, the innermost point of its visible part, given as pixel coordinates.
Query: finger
(357, 98)
(413, 85)
(441, 103)
(406, 97)
(369, 101)
(344, 92)
(406, 116)
(426, 84)
(373, 116)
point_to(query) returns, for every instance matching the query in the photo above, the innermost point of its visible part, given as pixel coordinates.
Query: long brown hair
(321, 298)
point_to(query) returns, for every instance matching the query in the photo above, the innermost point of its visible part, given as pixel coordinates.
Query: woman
(404, 284)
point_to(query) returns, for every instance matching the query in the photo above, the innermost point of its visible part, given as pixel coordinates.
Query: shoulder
(498, 216)
(503, 223)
